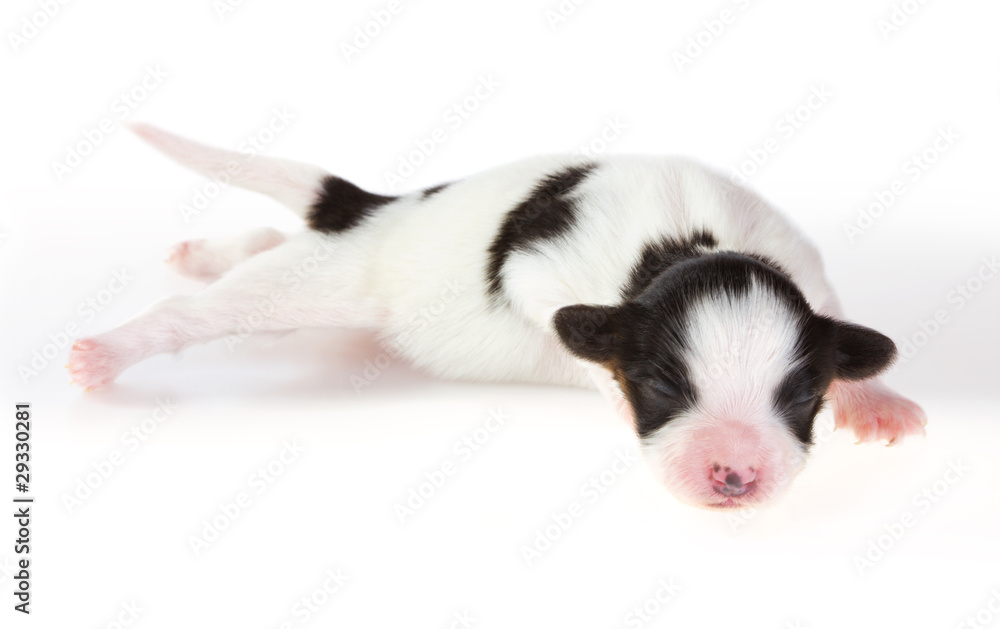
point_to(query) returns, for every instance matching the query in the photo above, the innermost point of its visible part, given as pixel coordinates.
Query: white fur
(740, 349)
(400, 259)
(210, 259)
(415, 269)
(292, 183)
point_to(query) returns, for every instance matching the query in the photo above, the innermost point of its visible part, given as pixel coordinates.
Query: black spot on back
(429, 192)
(657, 257)
(548, 212)
(342, 205)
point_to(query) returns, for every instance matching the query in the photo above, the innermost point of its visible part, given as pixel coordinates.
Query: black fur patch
(652, 343)
(548, 212)
(799, 399)
(643, 341)
(429, 192)
(827, 349)
(861, 352)
(342, 205)
(657, 257)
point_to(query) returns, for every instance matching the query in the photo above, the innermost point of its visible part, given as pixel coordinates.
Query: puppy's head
(725, 367)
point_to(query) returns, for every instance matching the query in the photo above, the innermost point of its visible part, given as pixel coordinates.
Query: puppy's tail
(294, 184)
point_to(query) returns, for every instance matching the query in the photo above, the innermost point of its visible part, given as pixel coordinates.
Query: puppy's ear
(861, 352)
(589, 332)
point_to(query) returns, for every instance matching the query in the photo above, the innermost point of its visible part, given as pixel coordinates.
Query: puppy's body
(606, 222)
(694, 306)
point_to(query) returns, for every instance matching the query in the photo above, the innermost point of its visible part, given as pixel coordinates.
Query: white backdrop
(253, 485)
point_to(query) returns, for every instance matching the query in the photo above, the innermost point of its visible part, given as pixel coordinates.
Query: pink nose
(732, 481)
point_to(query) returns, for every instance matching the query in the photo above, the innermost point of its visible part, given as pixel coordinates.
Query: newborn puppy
(693, 306)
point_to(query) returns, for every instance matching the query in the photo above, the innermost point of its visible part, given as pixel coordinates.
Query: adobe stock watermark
(268, 306)
(252, 145)
(127, 614)
(957, 298)
(985, 615)
(652, 606)
(463, 450)
(103, 469)
(914, 168)
(822, 434)
(712, 28)
(262, 311)
(741, 346)
(898, 17)
(608, 135)
(560, 522)
(786, 128)
(367, 32)
(922, 502)
(225, 8)
(312, 603)
(461, 619)
(396, 344)
(454, 117)
(257, 483)
(121, 107)
(8, 568)
(34, 23)
(560, 13)
(60, 340)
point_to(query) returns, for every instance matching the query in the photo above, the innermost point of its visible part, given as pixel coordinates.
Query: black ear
(588, 331)
(861, 352)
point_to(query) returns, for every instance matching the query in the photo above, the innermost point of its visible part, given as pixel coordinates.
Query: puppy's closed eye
(802, 400)
(662, 391)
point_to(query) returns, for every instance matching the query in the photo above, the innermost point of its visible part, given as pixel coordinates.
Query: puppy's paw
(193, 259)
(94, 364)
(875, 412)
(208, 260)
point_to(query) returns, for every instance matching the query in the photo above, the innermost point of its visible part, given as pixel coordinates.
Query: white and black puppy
(692, 305)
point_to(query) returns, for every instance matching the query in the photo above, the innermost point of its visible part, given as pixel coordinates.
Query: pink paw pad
(93, 364)
(876, 413)
(188, 259)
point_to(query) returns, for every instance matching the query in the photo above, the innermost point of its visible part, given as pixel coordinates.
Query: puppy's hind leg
(208, 260)
(263, 293)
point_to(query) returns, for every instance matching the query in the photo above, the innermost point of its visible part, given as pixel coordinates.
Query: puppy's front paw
(93, 364)
(875, 412)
